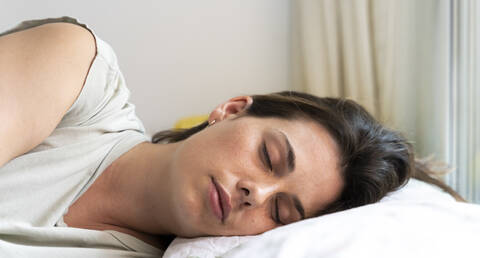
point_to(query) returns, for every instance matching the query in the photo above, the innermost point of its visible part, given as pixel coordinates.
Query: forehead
(316, 179)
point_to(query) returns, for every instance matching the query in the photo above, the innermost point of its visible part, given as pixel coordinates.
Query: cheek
(210, 150)
(252, 222)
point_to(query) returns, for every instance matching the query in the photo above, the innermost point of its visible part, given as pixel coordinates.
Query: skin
(163, 189)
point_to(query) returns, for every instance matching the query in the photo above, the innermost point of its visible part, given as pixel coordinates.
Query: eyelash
(269, 164)
(267, 157)
(276, 219)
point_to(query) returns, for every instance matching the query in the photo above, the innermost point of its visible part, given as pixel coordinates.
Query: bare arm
(42, 71)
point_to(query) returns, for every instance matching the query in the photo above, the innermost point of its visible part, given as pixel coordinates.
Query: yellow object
(190, 121)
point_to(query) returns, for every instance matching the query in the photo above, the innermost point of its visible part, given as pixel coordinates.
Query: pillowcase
(418, 220)
(203, 247)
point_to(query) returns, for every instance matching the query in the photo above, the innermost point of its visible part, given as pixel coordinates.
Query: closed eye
(267, 156)
(277, 217)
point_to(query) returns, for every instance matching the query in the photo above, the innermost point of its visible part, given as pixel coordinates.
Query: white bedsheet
(416, 221)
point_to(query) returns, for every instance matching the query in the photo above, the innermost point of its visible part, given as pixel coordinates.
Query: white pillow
(418, 220)
(204, 247)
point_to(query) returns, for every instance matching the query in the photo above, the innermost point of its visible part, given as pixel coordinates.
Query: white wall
(181, 58)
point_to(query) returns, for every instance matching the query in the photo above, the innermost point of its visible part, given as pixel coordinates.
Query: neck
(126, 189)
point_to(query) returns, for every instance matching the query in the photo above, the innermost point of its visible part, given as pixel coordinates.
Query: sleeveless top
(38, 187)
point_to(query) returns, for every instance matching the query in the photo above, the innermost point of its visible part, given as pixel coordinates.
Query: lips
(220, 201)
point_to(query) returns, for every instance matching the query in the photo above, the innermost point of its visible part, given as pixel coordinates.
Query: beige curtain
(354, 49)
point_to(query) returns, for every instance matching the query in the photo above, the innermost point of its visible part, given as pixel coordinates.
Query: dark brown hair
(374, 160)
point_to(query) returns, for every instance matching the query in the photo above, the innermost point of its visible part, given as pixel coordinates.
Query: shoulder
(42, 71)
(59, 37)
(66, 36)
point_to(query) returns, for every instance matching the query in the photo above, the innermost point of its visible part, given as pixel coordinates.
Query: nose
(253, 194)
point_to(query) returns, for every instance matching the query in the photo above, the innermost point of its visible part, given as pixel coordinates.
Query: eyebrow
(290, 153)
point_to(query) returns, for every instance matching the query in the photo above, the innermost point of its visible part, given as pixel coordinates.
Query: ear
(231, 108)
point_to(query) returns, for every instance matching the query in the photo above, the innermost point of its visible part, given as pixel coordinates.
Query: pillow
(203, 247)
(418, 220)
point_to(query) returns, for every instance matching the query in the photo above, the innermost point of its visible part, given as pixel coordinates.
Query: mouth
(219, 201)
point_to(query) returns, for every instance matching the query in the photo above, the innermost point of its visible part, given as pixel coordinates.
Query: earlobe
(231, 108)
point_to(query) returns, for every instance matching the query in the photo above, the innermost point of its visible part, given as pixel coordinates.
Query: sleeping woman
(77, 171)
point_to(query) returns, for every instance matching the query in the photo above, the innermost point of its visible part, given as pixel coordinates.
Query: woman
(258, 162)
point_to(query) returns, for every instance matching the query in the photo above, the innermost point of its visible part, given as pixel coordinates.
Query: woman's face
(235, 155)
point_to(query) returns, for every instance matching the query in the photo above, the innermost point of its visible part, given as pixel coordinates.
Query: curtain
(464, 89)
(396, 58)
(356, 49)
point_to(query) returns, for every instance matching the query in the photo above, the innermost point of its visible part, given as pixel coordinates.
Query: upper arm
(42, 71)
